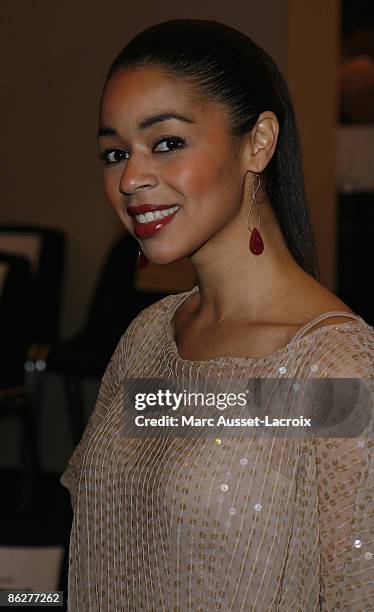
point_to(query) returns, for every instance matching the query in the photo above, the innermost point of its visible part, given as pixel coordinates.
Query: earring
(142, 260)
(256, 244)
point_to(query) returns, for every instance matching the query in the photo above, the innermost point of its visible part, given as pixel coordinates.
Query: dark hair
(230, 68)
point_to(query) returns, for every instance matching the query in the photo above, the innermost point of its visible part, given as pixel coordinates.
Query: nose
(136, 174)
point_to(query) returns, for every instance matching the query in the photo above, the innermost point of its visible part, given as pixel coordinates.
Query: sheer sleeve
(345, 485)
(110, 383)
(120, 363)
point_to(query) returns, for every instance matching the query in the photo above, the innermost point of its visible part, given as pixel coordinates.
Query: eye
(112, 156)
(166, 144)
(170, 142)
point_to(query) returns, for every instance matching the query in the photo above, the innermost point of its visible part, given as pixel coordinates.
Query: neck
(234, 283)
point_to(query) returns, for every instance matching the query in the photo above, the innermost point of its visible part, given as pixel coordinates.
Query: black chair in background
(15, 288)
(355, 252)
(15, 318)
(114, 304)
(45, 249)
(30, 307)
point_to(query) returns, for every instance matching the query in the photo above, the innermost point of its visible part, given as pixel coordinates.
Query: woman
(196, 121)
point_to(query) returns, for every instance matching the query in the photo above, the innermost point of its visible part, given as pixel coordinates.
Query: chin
(163, 259)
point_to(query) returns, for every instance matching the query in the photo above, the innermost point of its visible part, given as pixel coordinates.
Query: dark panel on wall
(355, 252)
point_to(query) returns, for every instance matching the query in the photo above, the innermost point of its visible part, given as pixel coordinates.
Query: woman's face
(161, 146)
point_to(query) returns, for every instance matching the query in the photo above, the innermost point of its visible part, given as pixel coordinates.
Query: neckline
(179, 298)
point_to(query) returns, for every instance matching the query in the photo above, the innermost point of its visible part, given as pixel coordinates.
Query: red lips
(146, 230)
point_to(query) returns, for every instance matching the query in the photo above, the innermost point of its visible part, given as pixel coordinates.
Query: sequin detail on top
(231, 524)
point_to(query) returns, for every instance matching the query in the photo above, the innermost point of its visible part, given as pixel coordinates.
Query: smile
(150, 223)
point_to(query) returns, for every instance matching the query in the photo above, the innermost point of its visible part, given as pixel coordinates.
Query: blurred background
(69, 284)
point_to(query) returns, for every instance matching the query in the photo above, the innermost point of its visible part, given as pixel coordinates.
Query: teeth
(157, 214)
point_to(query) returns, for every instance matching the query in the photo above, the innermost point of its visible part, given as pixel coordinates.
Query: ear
(262, 142)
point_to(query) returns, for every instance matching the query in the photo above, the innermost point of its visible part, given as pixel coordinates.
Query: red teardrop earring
(256, 244)
(142, 260)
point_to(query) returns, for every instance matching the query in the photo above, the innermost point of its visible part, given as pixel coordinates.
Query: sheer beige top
(246, 524)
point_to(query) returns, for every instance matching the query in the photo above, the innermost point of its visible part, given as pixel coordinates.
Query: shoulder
(343, 347)
(336, 339)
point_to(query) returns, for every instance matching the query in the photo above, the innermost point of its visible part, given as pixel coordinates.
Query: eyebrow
(147, 122)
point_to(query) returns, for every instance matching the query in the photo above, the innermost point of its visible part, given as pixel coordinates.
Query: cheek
(201, 174)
